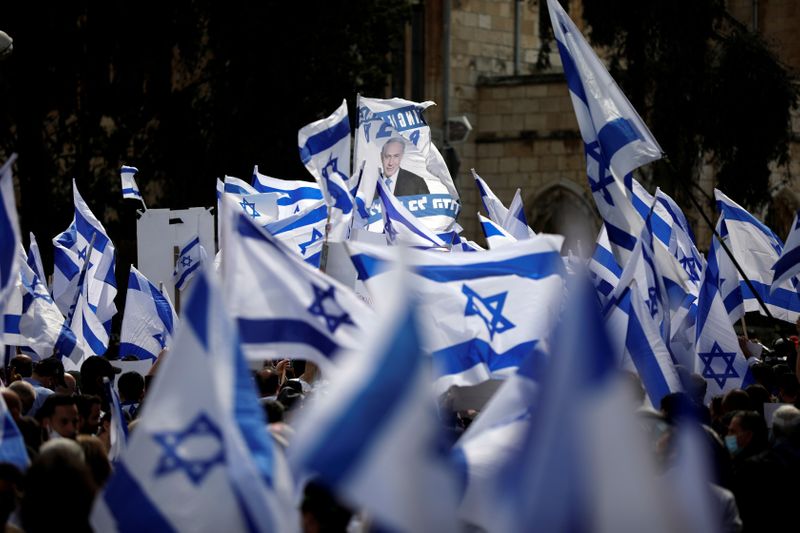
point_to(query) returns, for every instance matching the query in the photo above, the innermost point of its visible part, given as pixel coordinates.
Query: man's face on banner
(391, 155)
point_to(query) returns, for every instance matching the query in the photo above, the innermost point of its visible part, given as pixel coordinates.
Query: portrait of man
(397, 179)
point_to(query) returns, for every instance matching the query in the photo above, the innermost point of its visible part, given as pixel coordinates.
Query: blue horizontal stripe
(324, 140)
(620, 237)
(647, 365)
(312, 217)
(132, 509)
(732, 212)
(268, 331)
(605, 258)
(314, 260)
(192, 244)
(87, 230)
(127, 169)
(97, 346)
(781, 298)
(788, 261)
(11, 324)
(532, 266)
(574, 81)
(661, 229)
(615, 135)
(462, 357)
(368, 266)
(133, 192)
(127, 348)
(490, 230)
(290, 196)
(184, 277)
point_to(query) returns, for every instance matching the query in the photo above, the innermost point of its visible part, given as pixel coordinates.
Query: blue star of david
(689, 264)
(318, 308)
(315, 236)
(249, 205)
(82, 253)
(160, 337)
(492, 305)
(44, 296)
(727, 358)
(186, 261)
(605, 178)
(179, 454)
(652, 301)
(330, 167)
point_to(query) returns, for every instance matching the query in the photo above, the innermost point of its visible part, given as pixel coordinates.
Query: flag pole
(717, 236)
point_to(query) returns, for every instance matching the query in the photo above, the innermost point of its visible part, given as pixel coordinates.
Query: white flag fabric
(616, 140)
(603, 267)
(283, 306)
(304, 232)
(149, 322)
(511, 219)
(492, 308)
(118, 433)
(373, 437)
(496, 236)
(200, 458)
(190, 259)
(34, 260)
(293, 195)
(756, 249)
(400, 226)
(129, 188)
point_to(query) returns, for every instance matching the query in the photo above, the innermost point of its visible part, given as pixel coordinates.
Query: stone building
(525, 133)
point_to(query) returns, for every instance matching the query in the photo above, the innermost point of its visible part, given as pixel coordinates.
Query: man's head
(93, 370)
(59, 416)
(88, 414)
(131, 387)
(13, 403)
(70, 385)
(748, 428)
(26, 394)
(49, 372)
(391, 155)
(21, 366)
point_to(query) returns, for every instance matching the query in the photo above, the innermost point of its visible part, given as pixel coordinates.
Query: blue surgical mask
(731, 444)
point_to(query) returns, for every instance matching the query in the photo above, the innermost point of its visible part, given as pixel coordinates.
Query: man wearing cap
(47, 374)
(93, 370)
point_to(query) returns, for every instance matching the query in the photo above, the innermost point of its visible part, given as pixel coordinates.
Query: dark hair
(321, 506)
(85, 403)
(754, 422)
(267, 381)
(54, 400)
(274, 411)
(759, 395)
(736, 400)
(131, 386)
(22, 365)
(678, 406)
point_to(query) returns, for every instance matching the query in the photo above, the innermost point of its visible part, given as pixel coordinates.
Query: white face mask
(53, 434)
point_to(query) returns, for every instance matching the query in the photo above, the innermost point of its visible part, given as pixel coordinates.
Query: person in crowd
(59, 417)
(747, 436)
(788, 388)
(26, 394)
(20, 366)
(89, 408)
(131, 393)
(11, 480)
(96, 456)
(759, 395)
(46, 375)
(93, 370)
(70, 385)
(322, 512)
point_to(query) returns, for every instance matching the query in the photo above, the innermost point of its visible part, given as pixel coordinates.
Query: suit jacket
(409, 184)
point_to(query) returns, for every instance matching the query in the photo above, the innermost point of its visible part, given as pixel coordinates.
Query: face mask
(731, 444)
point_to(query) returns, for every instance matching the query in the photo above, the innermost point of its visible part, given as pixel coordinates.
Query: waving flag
(293, 195)
(719, 359)
(616, 140)
(283, 306)
(91, 335)
(190, 259)
(495, 235)
(130, 190)
(9, 231)
(201, 437)
(304, 232)
(149, 321)
(788, 264)
(12, 445)
(492, 308)
(582, 464)
(34, 260)
(118, 434)
(512, 219)
(756, 249)
(374, 437)
(603, 267)
(400, 225)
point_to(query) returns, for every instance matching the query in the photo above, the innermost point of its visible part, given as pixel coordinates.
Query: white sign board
(159, 231)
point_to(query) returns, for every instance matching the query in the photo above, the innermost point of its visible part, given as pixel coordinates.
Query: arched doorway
(561, 207)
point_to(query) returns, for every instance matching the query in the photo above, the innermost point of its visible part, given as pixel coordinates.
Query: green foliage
(704, 84)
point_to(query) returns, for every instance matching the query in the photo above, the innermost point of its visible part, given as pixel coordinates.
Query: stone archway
(562, 207)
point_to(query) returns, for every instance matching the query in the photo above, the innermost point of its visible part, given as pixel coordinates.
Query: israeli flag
(91, 334)
(603, 267)
(293, 195)
(12, 445)
(303, 233)
(582, 464)
(325, 151)
(149, 322)
(9, 231)
(788, 264)
(283, 306)
(70, 253)
(118, 434)
(129, 188)
(681, 243)
(756, 249)
(34, 261)
(200, 439)
(719, 359)
(511, 219)
(493, 439)
(373, 437)
(496, 236)
(41, 324)
(492, 308)
(400, 226)
(190, 259)
(616, 140)
(729, 287)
